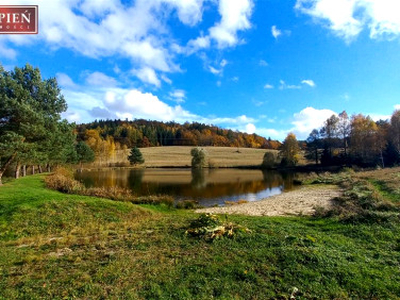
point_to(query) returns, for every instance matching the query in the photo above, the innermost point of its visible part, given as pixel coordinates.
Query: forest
(146, 133)
(356, 140)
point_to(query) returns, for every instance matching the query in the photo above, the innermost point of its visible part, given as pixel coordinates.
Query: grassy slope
(54, 246)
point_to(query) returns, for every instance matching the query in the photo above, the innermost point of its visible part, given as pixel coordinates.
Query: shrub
(187, 204)
(64, 184)
(199, 156)
(269, 160)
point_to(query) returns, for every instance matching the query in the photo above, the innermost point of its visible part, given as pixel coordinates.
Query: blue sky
(263, 66)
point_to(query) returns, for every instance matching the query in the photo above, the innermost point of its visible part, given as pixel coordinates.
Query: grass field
(56, 246)
(179, 156)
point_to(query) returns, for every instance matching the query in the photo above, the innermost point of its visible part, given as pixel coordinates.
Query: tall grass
(62, 180)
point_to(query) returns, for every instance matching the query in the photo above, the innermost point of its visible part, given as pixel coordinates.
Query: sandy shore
(302, 201)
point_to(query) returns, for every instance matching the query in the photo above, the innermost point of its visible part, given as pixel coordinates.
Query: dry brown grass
(179, 156)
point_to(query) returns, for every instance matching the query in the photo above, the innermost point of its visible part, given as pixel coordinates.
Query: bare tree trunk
(40, 169)
(5, 166)
(17, 170)
(33, 170)
(48, 168)
(24, 170)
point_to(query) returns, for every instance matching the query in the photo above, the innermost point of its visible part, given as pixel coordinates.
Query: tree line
(106, 136)
(355, 140)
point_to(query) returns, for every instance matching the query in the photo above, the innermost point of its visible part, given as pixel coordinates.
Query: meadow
(55, 245)
(179, 156)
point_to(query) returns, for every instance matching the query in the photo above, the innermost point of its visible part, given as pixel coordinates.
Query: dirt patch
(302, 201)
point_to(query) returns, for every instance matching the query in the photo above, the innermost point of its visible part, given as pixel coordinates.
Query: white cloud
(148, 75)
(234, 17)
(178, 95)
(189, 11)
(64, 80)
(166, 79)
(7, 52)
(268, 86)
(214, 70)
(201, 42)
(308, 119)
(90, 101)
(250, 128)
(347, 18)
(100, 79)
(397, 106)
(100, 28)
(263, 63)
(235, 79)
(377, 117)
(275, 32)
(272, 133)
(223, 63)
(309, 82)
(284, 86)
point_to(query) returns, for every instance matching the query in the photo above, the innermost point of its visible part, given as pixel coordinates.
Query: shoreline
(301, 201)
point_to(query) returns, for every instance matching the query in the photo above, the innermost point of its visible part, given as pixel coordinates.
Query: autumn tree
(199, 156)
(135, 157)
(344, 129)
(290, 150)
(395, 131)
(364, 133)
(329, 132)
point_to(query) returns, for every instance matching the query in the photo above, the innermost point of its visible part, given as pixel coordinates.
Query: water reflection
(209, 187)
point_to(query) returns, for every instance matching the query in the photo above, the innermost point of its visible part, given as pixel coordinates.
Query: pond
(208, 186)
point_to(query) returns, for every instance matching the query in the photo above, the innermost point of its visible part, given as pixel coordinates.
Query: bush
(269, 160)
(187, 204)
(63, 183)
(199, 156)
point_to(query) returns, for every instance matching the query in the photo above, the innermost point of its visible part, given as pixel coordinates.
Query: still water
(209, 186)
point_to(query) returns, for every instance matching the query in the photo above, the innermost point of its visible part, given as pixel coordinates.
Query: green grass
(66, 246)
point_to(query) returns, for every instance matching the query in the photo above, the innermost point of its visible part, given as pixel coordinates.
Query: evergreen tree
(84, 153)
(135, 157)
(30, 111)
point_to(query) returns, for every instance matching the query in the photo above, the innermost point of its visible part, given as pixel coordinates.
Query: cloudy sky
(263, 66)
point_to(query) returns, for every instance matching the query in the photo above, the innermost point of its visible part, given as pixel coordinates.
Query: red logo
(18, 19)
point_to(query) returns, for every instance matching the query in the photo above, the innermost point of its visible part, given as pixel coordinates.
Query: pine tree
(135, 157)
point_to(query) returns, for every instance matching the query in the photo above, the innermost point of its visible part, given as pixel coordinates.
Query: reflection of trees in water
(198, 179)
(135, 178)
(288, 178)
(200, 186)
(276, 179)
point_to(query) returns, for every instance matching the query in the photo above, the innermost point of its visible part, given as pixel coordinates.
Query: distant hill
(145, 133)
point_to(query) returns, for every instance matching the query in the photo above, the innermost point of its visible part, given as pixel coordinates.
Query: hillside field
(179, 156)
